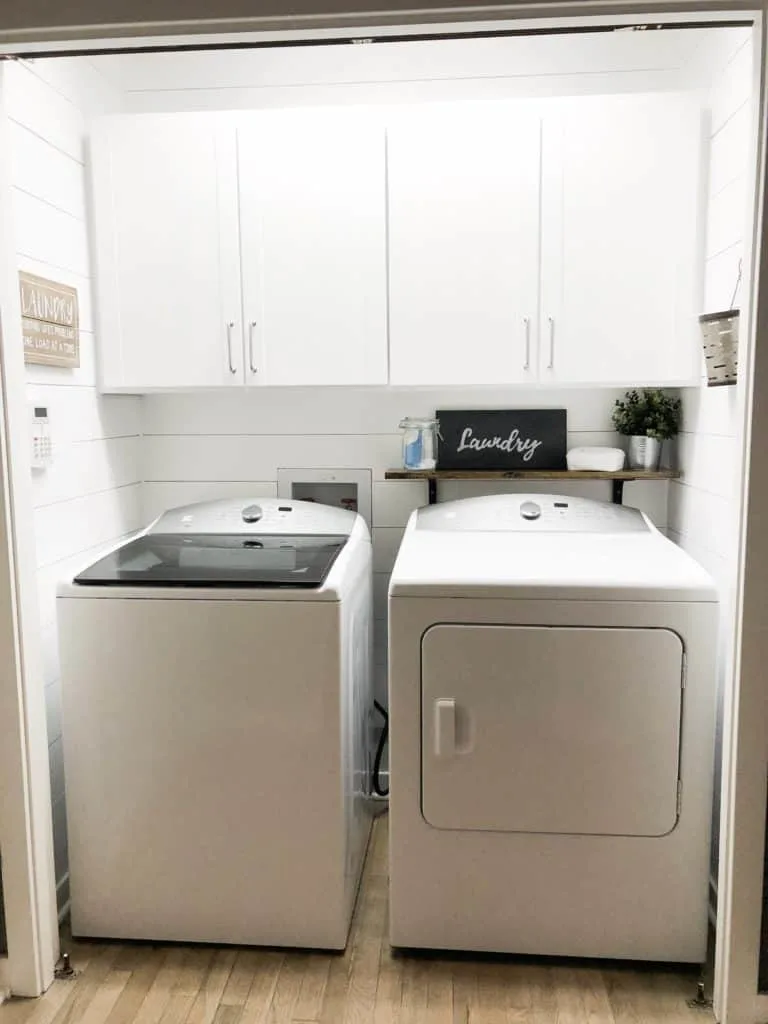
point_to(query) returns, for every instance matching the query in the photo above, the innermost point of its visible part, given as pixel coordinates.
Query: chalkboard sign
(498, 439)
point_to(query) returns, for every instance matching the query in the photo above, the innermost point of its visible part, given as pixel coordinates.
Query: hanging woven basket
(720, 339)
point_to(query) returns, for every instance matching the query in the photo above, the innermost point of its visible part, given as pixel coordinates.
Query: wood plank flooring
(132, 983)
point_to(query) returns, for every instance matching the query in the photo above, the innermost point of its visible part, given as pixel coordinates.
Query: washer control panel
(260, 515)
(537, 513)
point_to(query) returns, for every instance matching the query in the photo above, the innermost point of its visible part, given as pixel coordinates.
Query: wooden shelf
(530, 474)
(619, 477)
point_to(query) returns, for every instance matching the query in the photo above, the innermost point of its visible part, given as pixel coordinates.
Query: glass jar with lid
(419, 442)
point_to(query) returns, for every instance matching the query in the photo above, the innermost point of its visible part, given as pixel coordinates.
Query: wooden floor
(144, 984)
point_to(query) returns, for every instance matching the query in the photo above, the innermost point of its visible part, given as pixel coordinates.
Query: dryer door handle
(445, 727)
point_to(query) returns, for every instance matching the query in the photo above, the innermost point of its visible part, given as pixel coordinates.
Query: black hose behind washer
(376, 776)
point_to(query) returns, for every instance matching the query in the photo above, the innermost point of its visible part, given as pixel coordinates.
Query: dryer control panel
(535, 513)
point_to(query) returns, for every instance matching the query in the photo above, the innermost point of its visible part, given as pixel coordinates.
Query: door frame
(29, 887)
(745, 727)
(25, 826)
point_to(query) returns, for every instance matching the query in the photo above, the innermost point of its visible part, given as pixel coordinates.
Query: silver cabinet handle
(230, 325)
(551, 363)
(527, 362)
(251, 327)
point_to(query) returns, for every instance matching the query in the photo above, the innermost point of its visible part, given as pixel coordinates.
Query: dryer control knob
(252, 513)
(530, 510)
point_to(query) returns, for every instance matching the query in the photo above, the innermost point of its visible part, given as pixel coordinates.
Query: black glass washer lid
(217, 560)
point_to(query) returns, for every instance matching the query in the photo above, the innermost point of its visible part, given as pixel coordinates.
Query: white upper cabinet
(165, 228)
(550, 242)
(313, 235)
(620, 244)
(463, 246)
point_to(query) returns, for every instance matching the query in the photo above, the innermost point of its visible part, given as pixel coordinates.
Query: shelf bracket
(617, 492)
(432, 490)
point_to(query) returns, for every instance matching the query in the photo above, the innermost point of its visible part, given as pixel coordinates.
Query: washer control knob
(530, 510)
(252, 513)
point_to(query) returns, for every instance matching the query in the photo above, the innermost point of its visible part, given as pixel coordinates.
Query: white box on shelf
(603, 460)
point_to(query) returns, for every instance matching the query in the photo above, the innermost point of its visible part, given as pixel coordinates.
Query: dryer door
(551, 729)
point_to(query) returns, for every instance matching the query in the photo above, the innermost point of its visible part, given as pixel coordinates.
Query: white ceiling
(682, 55)
(412, 72)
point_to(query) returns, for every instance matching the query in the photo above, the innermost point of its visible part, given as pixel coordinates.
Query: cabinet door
(312, 208)
(165, 219)
(619, 241)
(463, 247)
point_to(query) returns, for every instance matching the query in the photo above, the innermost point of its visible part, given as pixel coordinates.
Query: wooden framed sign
(498, 439)
(50, 321)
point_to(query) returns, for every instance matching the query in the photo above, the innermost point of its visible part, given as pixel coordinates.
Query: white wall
(90, 495)
(702, 510)
(205, 446)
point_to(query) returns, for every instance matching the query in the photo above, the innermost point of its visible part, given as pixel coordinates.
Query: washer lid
(217, 560)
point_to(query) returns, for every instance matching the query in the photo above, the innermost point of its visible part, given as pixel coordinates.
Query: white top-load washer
(552, 706)
(216, 676)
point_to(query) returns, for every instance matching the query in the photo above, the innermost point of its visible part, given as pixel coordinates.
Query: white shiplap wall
(702, 506)
(90, 495)
(205, 446)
